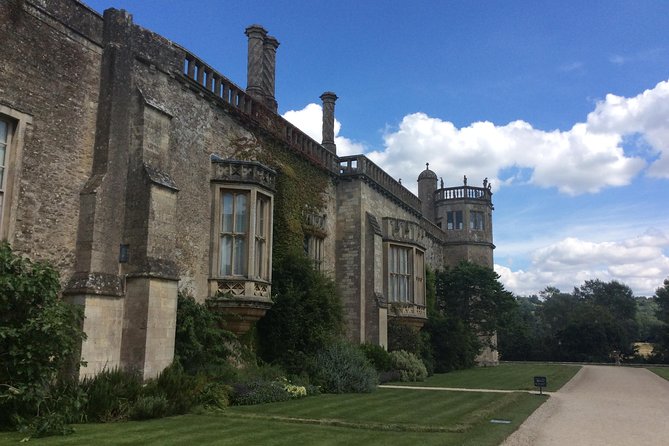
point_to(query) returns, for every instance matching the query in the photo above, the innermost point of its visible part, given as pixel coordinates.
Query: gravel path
(601, 406)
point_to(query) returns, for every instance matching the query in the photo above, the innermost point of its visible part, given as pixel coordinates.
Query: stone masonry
(124, 149)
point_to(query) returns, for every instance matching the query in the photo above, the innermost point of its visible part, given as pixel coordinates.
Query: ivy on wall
(301, 189)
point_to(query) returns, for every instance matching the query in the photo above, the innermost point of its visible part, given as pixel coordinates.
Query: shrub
(306, 316)
(258, 392)
(454, 344)
(200, 342)
(343, 368)
(411, 368)
(403, 337)
(39, 337)
(149, 406)
(378, 357)
(111, 394)
(215, 395)
(182, 390)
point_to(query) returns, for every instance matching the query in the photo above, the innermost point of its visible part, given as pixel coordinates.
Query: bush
(200, 342)
(258, 392)
(378, 357)
(403, 337)
(183, 391)
(306, 316)
(39, 337)
(149, 406)
(215, 395)
(343, 368)
(454, 344)
(411, 368)
(111, 394)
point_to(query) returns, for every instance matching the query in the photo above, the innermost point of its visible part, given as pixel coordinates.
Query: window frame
(257, 264)
(413, 276)
(476, 221)
(313, 248)
(455, 220)
(18, 125)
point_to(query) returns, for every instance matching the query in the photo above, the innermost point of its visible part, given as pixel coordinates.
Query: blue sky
(565, 105)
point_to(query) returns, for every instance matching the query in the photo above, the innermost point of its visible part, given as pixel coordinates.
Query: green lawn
(386, 416)
(660, 371)
(505, 376)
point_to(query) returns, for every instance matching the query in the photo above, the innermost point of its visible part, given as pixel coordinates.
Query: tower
(427, 186)
(464, 213)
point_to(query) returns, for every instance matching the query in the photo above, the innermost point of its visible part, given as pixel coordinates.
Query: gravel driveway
(601, 406)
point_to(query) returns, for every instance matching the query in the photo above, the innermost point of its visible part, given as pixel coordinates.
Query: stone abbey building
(140, 171)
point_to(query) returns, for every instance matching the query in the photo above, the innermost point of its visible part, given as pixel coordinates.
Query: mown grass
(397, 417)
(517, 376)
(660, 371)
(386, 416)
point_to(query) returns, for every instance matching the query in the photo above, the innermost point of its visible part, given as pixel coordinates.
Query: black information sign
(540, 382)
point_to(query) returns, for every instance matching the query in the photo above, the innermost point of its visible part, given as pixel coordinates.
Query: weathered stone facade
(139, 171)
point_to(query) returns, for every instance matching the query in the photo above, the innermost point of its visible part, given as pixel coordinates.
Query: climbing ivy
(300, 190)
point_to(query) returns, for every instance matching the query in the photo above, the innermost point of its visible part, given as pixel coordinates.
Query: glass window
(234, 224)
(5, 134)
(419, 291)
(399, 274)
(454, 220)
(262, 267)
(476, 221)
(313, 248)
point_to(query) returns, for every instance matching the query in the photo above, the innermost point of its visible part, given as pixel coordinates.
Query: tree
(615, 304)
(470, 302)
(473, 294)
(306, 316)
(662, 299)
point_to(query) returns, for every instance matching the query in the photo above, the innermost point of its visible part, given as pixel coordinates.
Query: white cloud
(638, 262)
(310, 121)
(584, 159)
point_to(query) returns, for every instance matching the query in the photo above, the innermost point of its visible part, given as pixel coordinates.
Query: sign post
(540, 382)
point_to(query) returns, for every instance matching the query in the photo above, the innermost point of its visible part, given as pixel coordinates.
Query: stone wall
(50, 72)
(115, 185)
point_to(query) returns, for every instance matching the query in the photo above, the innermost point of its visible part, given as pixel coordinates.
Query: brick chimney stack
(329, 99)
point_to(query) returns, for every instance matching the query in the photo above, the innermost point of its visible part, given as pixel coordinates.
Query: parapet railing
(218, 84)
(228, 92)
(361, 165)
(463, 192)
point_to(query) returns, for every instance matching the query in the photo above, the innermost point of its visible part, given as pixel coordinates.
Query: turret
(427, 186)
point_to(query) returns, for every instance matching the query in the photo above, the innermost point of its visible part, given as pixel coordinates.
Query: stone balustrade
(226, 91)
(360, 165)
(463, 192)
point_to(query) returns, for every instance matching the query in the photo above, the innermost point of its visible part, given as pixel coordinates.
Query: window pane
(239, 256)
(226, 255)
(392, 287)
(260, 216)
(260, 259)
(226, 213)
(240, 213)
(3, 132)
